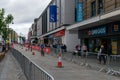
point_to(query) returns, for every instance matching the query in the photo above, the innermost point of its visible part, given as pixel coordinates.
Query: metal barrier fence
(90, 59)
(31, 70)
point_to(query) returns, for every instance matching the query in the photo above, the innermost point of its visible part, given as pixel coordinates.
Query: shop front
(50, 39)
(59, 37)
(107, 35)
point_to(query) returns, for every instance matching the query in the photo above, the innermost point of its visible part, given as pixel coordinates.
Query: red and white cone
(59, 64)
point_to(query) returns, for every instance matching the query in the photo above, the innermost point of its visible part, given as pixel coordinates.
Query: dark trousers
(102, 57)
(42, 52)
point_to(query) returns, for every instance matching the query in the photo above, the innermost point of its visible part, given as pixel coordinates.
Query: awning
(52, 32)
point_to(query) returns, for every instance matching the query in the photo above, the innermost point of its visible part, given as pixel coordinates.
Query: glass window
(93, 8)
(100, 6)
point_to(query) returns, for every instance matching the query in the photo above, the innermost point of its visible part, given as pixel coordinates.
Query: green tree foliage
(23, 38)
(4, 23)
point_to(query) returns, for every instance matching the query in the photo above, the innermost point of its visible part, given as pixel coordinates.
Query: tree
(4, 23)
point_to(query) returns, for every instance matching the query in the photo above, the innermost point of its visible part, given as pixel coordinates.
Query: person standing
(55, 48)
(78, 49)
(42, 46)
(102, 55)
(63, 48)
(84, 49)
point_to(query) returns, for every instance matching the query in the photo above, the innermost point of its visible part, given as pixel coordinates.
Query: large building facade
(55, 31)
(93, 22)
(100, 25)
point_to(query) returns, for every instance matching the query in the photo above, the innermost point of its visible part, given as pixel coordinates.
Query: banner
(53, 13)
(79, 11)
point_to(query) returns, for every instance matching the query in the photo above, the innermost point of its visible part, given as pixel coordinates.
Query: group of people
(59, 48)
(102, 53)
(80, 50)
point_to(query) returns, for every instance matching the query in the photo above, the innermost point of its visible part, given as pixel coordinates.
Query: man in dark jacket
(102, 54)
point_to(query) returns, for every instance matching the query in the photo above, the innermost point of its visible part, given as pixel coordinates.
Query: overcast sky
(24, 12)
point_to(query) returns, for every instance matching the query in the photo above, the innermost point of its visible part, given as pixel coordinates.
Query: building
(13, 36)
(52, 26)
(32, 35)
(100, 24)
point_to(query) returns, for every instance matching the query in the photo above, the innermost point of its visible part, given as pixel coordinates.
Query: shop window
(100, 6)
(93, 8)
(114, 46)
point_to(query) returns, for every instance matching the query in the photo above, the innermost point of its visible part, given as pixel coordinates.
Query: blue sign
(53, 13)
(79, 11)
(97, 31)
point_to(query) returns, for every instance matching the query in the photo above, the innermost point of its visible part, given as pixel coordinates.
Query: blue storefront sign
(79, 11)
(53, 13)
(97, 31)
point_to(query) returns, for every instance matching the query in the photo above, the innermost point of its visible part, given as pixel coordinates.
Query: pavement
(69, 71)
(10, 69)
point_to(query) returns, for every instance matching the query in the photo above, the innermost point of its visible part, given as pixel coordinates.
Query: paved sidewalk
(9, 69)
(70, 71)
(111, 67)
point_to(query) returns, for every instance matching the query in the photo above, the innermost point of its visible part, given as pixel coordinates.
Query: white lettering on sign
(98, 31)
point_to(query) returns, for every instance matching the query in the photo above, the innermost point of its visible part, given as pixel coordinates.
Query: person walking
(42, 46)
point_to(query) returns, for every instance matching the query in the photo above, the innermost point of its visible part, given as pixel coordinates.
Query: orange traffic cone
(33, 53)
(59, 64)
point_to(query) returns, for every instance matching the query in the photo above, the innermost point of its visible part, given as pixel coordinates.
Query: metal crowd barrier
(31, 70)
(90, 59)
(114, 64)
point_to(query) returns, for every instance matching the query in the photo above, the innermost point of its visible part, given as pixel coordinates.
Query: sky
(24, 12)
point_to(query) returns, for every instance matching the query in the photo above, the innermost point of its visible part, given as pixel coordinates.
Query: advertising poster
(114, 47)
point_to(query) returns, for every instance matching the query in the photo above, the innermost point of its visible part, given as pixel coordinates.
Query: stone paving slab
(9, 69)
(70, 71)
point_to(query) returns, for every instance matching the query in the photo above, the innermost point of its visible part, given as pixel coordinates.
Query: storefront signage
(97, 31)
(116, 28)
(59, 33)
